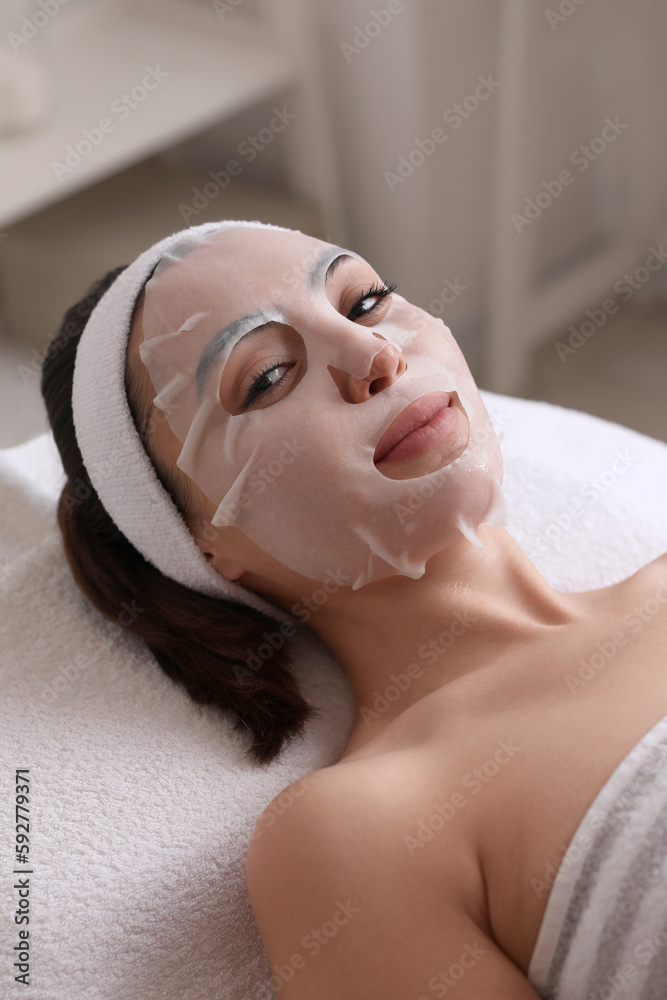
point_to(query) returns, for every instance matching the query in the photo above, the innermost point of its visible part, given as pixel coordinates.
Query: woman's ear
(225, 566)
(209, 540)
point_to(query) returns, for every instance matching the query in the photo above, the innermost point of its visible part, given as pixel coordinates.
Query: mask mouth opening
(431, 447)
(421, 413)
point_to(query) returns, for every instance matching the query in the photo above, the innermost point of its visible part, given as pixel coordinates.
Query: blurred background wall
(502, 160)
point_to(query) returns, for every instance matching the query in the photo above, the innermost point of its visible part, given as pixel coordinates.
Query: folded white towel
(141, 805)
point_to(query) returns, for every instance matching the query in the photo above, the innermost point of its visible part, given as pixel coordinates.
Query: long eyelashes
(254, 389)
(377, 291)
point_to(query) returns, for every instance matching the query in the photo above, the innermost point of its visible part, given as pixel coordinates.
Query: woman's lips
(431, 414)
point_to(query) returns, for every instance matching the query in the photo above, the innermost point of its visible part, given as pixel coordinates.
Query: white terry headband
(114, 456)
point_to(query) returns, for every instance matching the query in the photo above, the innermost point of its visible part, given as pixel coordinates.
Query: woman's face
(281, 364)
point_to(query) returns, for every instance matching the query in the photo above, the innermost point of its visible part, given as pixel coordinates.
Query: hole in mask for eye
(252, 379)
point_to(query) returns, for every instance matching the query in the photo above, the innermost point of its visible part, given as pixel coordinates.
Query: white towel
(141, 806)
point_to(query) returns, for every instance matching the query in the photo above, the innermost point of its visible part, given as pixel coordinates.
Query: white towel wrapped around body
(141, 804)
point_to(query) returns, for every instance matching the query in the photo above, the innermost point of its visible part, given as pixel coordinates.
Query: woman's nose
(388, 365)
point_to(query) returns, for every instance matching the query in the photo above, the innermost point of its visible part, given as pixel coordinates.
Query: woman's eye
(377, 293)
(264, 383)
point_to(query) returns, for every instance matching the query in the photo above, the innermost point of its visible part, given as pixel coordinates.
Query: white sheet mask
(296, 473)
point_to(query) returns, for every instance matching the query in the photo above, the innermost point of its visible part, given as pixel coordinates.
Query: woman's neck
(417, 636)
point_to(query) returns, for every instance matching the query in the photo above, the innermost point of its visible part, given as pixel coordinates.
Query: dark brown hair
(208, 645)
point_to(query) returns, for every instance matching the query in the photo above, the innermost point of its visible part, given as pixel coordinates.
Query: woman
(314, 428)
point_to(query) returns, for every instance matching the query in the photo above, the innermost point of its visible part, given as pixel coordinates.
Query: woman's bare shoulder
(344, 908)
(383, 809)
(656, 571)
(318, 801)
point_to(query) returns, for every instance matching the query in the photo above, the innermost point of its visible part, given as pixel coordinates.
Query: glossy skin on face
(279, 371)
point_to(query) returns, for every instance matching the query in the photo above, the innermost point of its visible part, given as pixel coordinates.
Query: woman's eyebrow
(237, 330)
(255, 321)
(314, 275)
